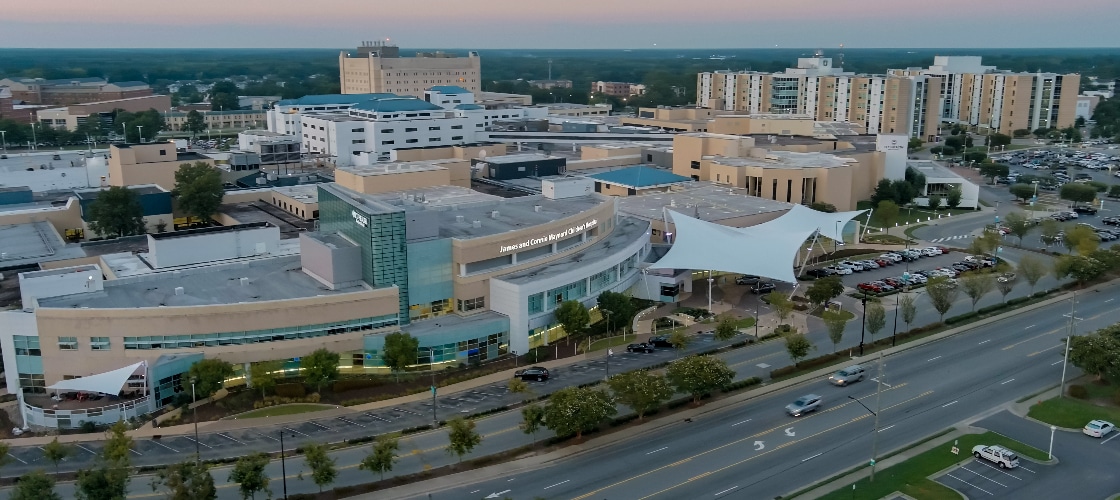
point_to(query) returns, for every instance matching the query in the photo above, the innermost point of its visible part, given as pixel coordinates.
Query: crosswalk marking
(939, 240)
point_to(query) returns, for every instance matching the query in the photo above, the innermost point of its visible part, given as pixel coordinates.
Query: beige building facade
(153, 163)
(70, 117)
(377, 67)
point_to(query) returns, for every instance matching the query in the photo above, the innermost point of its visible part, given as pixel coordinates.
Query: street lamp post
(4, 140)
(140, 134)
(194, 415)
(863, 326)
(1065, 358)
(1050, 452)
(710, 280)
(878, 410)
(283, 467)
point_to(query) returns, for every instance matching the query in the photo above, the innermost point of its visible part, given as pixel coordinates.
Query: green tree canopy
(195, 123)
(1097, 354)
(876, 318)
(382, 455)
(150, 121)
(1033, 269)
(248, 472)
(575, 410)
(908, 306)
(1079, 267)
(34, 486)
(953, 199)
(781, 305)
(320, 368)
(1022, 191)
(264, 375)
(994, 170)
(976, 286)
(824, 289)
(400, 351)
(209, 375)
(619, 307)
(726, 327)
(835, 322)
(116, 212)
(997, 140)
(1019, 224)
(641, 390)
(461, 436)
(934, 202)
(797, 346)
(821, 206)
(573, 316)
(887, 211)
(223, 96)
(941, 293)
(188, 480)
(532, 419)
(323, 469)
(55, 452)
(699, 375)
(198, 189)
(1078, 192)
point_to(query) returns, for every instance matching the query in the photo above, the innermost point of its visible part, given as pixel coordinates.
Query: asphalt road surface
(754, 450)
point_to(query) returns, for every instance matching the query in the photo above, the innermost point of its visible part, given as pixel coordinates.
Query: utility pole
(878, 410)
(863, 326)
(283, 468)
(194, 414)
(1069, 337)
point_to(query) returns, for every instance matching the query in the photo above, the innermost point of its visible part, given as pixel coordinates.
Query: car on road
(640, 347)
(1003, 457)
(538, 373)
(804, 404)
(763, 287)
(659, 342)
(1098, 428)
(847, 376)
(747, 279)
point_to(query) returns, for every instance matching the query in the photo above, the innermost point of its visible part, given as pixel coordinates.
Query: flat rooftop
(706, 200)
(627, 230)
(307, 193)
(92, 194)
(519, 158)
(277, 278)
(785, 160)
(32, 243)
(397, 167)
(449, 323)
(932, 169)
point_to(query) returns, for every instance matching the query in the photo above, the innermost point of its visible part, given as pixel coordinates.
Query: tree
(699, 375)
(188, 480)
(680, 340)
(320, 368)
(1079, 267)
(248, 473)
(575, 410)
(619, 307)
(821, 206)
(462, 437)
(105, 481)
(726, 327)
(914, 144)
(976, 286)
(908, 305)
(4, 450)
(797, 345)
(195, 123)
(532, 419)
(382, 455)
(887, 211)
(1020, 133)
(223, 96)
(994, 170)
(876, 318)
(1022, 191)
(198, 189)
(517, 386)
(34, 486)
(1114, 191)
(1042, 132)
(55, 452)
(942, 293)
(824, 290)
(150, 124)
(264, 374)
(953, 199)
(1077, 192)
(1033, 269)
(1049, 230)
(209, 375)
(904, 191)
(118, 445)
(954, 141)
(641, 390)
(934, 202)
(997, 140)
(968, 142)
(835, 322)
(986, 243)
(1082, 239)
(323, 470)
(573, 316)
(1019, 224)
(400, 351)
(884, 191)
(1095, 353)
(781, 305)
(116, 212)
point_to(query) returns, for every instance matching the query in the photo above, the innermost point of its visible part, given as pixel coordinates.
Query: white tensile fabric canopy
(767, 249)
(109, 382)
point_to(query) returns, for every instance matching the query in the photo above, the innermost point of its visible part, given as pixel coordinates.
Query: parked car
(763, 287)
(869, 264)
(803, 405)
(642, 347)
(1098, 428)
(538, 373)
(1085, 209)
(659, 341)
(883, 262)
(847, 376)
(1006, 278)
(819, 273)
(893, 257)
(840, 270)
(1112, 221)
(1003, 457)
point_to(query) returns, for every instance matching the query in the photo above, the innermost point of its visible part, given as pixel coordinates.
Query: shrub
(1039, 295)
(959, 318)
(290, 390)
(1078, 391)
(783, 371)
(742, 384)
(1017, 300)
(991, 308)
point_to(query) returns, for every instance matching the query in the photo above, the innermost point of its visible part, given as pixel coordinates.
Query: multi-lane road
(753, 450)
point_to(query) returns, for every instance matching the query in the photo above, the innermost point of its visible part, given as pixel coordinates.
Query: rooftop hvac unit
(244, 281)
(494, 214)
(477, 224)
(459, 219)
(179, 290)
(536, 208)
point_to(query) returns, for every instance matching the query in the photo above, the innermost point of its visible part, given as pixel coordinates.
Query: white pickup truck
(1003, 457)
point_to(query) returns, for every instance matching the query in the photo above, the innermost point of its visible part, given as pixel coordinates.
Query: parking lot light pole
(1069, 336)
(194, 415)
(863, 326)
(283, 468)
(1050, 452)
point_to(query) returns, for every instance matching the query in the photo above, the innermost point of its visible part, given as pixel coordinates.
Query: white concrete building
(940, 180)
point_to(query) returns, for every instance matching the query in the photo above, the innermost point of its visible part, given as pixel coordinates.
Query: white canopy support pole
(710, 280)
(808, 252)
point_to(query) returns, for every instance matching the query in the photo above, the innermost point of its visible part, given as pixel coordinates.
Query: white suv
(1003, 457)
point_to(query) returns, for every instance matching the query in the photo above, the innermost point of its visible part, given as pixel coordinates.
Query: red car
(883, 262)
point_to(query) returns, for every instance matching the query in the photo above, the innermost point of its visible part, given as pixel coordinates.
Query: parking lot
(896, 270)
(979, 478)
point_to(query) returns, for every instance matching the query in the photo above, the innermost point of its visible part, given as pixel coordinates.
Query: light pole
(124, 131)
(4, 140)
(710, 280)
(194, 415)
(878, 410)
(1065, 359)
(140, 134)
(863, 326)
(1034, 198)
(283, 467)
(1050, 452)
(34, 140)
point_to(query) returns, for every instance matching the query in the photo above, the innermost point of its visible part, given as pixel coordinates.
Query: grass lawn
(848, 315)
(1072, 413)
(744, 323)
(910, 476)
(612, 341)
(292, 409)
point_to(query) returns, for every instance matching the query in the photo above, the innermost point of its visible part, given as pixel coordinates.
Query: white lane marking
(1028, 470)
(812, 457)
(949, 404)
(1110, 300)
(970, 484)
(657, 450)
(1114, 434)
(873, 379)
(1007, 382)
(885, 428)
(17, 458)
(476, 491)
(986, 477)
(193, 440)
(317, 424)
(933, 358)
(231, 439)
(743, 422)
(557, 484)
(733, 488)
(986, 341)
(511, 479)
(1029, 327)
(997, 469)
(1057, 362)
(157, 443)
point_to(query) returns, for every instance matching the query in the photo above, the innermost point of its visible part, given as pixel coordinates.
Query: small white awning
(110, 382)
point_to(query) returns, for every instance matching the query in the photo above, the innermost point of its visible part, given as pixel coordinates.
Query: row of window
(471, 304)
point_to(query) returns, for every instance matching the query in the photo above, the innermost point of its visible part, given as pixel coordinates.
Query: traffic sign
(956, 451)
(433, 390)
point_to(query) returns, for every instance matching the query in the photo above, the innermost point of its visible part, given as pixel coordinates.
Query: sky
(573, 24)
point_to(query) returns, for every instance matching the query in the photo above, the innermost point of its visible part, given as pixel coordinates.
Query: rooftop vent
(536, 208)
(244, 281)
(494, 214)
(477, 224)
(459, 219)
(179, 290)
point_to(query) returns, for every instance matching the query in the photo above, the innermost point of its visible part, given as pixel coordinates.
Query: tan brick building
(377, 67)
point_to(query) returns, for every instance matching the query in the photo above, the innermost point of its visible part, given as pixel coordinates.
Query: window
(68, 343)
(456, 127)
(694, 165)
(433, 128)
(388, 142)
(32, 382)
(26, 345)
(411, 141)
(410, 129)
(536, 303)
(386, 131)
(456, 137)
(99, 343)
(163, 152)
(358, 130)
(358, 141)
(434, 139)
(472, 304)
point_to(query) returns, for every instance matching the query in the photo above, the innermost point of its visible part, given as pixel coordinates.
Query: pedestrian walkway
(951, 238)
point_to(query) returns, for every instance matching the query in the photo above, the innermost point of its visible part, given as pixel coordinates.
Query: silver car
(803, 405)
(847, 376)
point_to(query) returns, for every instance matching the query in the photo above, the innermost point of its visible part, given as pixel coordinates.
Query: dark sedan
(538, 373)
(659, 342)
(642, 347)
(764, 287)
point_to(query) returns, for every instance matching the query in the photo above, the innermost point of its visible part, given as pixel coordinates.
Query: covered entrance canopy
(768, 249)
(110, 382)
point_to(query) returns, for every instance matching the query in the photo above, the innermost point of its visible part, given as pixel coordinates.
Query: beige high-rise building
(377, 67)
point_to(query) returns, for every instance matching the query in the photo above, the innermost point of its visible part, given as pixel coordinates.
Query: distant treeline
(316, 70)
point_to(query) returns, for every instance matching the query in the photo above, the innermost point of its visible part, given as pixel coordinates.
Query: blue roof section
(639, 177)
(396, 104)
(449, 89)
(329, 99)
(469, 106)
